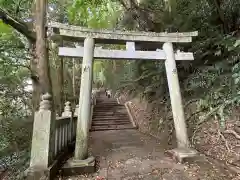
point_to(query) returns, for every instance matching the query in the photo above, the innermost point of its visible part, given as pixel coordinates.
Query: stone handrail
(65, 133)
(53, 139)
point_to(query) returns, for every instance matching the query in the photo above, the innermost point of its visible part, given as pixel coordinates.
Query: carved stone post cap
(46, 96)
(67, 109)
(67, 106)
(45, 104)
(67, 103)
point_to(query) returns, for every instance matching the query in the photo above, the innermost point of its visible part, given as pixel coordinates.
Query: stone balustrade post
(76, 110)
(67, 110)
(43, 146)
(68, 129)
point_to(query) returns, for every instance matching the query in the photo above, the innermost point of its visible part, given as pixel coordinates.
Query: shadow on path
(131, 155)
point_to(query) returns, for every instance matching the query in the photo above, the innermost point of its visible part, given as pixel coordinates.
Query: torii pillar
(175, 96)
(183, 150)
(81, 148)
(82, 162)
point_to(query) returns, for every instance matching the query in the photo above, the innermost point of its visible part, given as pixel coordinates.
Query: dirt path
(131, 155)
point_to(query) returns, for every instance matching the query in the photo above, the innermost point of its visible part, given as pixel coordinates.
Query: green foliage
(4, 29)
(94, 14)
(15, 99)
(213, 77)
(18, 8)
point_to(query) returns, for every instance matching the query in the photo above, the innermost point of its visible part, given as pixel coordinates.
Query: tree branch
(237, 136)
(17, 25)
(21, 65)
(134, 5)
(139, 14)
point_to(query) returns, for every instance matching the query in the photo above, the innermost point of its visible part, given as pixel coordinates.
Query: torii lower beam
(124, 55)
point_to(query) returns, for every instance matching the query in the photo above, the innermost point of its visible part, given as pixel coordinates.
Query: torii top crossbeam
(77, 33)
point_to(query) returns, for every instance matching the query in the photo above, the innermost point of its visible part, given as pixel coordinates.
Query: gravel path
(131, 155)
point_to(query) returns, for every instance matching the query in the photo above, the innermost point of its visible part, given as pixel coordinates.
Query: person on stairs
(109, 93)
(106, 92)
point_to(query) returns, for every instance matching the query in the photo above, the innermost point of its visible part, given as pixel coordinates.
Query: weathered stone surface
(107, 36)
(175, 97)
(113, 32)
(45, 104)
(37, 174)
(122, 54)
(43, 135)
(182, 154)
(81, 150)
(77, 167)
(76, 110)
(85, 162)
(130, 114)
(130, 46)
(67, 110)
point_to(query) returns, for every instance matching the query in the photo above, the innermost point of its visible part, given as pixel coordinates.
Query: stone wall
(206, 140)
(149, 119)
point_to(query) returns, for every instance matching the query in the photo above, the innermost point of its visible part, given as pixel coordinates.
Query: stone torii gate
(88, 52)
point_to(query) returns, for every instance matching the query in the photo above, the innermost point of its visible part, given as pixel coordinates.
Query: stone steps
(101, 128)
(109, 111)
(103, 123)
(99, 108)
(101, 118)
(109, 115)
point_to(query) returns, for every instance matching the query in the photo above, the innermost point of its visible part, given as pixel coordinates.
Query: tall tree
(61, 66)
(42, 60)
(17, 20)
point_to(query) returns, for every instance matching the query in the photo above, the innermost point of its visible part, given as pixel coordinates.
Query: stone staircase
(109, 115)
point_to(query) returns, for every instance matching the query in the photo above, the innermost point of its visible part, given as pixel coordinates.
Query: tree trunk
(216, 5)
(73, 81)
(61, 83)
(61, 65)
(41, 48)
(221, 15)
(34, 77)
